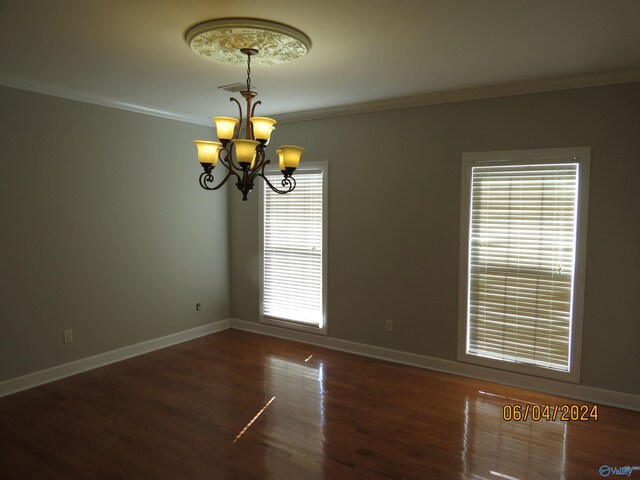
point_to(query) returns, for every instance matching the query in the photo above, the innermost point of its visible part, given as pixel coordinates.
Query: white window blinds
(522, 241)
(292, 281)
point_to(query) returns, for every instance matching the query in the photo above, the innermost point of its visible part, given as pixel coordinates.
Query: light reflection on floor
(246, 427)
(299, 387)
(491, 446)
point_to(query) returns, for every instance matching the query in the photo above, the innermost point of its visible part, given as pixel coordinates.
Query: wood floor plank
(236, 405)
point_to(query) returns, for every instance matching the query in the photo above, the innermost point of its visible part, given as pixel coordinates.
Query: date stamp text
(550, 413)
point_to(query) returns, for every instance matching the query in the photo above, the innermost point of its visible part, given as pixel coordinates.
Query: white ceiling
(133, 51)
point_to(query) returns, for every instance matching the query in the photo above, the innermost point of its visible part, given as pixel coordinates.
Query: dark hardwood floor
(191, 412)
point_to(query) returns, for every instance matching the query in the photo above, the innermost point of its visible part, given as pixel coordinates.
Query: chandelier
(245, 158)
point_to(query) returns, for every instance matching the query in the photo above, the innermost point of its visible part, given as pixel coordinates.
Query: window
(294, 252)
(522, 260)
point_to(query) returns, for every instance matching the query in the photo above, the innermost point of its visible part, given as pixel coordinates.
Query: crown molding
(468, 94)
(413, 101)
(22, 83)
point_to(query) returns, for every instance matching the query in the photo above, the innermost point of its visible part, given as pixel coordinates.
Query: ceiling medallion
(221, 41)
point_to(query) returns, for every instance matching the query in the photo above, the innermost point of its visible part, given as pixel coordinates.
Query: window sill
(293, 325)
(527, 369)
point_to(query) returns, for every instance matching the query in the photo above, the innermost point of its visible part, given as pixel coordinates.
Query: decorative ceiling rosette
(221, 40)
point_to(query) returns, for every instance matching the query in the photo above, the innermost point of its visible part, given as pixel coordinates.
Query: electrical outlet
(389, 325)
(198, 307)
(67, 336)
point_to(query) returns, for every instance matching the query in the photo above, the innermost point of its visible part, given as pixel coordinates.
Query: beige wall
(394, 219)
(104, 231)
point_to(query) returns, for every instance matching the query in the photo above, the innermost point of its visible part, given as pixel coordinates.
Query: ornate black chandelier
(249, 152)
(228, 41)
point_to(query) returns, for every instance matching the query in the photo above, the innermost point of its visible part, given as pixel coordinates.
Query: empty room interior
(319, 239)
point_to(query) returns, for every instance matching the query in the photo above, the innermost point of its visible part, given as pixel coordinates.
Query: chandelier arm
(239, 126)
(262, 162)
(227, 161)
(287, 182)
(258, 168)
(253, 110)
(206, 179)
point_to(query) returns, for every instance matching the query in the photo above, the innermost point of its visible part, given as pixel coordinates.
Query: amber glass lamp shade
(208, 151)
(291, 155)
(245, 150)
(262, 128)
(280, 159)
(225, 127)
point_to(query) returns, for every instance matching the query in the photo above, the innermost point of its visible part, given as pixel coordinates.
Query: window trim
(547, 155)
(286, 323)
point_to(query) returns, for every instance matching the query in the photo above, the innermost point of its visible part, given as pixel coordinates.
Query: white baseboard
(60, 371)
(554, 387)
(570, 390)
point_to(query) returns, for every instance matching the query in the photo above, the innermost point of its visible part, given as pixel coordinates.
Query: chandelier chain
(249, 72)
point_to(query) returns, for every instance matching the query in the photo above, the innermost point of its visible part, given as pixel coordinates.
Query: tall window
(524, 216)
(294, 253)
